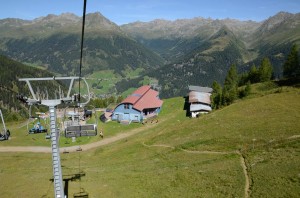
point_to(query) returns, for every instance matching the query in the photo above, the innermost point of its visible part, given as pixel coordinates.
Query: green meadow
(103, 82)
(248, 149)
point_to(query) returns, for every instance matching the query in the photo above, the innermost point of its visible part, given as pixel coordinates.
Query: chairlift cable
(80, 67)
(81, 49)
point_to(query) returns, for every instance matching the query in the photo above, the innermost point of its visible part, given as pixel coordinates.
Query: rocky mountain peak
(62, 19)
(13, 22)
(98, 21)
(69, 16)
(276, 20)
(223, 32)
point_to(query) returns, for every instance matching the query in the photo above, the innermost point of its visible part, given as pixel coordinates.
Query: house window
(126, 106)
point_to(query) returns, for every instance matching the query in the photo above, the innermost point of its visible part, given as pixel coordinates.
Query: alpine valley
(173, 54)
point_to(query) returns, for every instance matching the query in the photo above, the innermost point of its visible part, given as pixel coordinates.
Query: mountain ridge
(53, 42)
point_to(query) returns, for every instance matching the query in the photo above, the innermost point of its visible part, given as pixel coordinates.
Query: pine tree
(265, 70)
(232, 76)
(243, 78)
(216, 95)
(248, 88)
(291, 67)
(253, 74)
(229, 92)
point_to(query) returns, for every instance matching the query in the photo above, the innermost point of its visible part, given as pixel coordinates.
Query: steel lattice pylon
(57, 172)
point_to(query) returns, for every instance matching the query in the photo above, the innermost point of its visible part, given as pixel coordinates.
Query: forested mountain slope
(10, 86)
(54, 43)
(199, 51)
(202, 66)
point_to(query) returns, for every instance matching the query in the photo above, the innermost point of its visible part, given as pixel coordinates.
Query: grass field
(177, 156)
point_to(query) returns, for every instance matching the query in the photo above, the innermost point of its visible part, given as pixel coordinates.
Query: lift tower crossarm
(27, 80)
(57, 101)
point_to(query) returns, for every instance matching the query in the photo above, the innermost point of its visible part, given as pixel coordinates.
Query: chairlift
(4, 133)
(76, 126)
(37, 126)
(52, 104)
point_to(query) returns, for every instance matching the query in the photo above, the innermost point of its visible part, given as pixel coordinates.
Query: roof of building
(144, 98)
(136, 95)
(199, 97)
(200, 89)
(200, 107)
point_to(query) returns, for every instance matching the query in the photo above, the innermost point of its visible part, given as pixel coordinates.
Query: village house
(199, 100)
(141, 104)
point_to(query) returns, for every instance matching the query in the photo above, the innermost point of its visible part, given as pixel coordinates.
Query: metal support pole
(57, 173)
(4, 127)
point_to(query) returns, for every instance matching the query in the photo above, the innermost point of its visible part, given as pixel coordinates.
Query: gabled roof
(200, 89)
(199, 107)
(148, 100)
(144, 98)
(199, 97)
(136, 95)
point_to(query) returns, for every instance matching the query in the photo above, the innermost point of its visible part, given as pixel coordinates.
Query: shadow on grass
(73, 177)
(186, 106)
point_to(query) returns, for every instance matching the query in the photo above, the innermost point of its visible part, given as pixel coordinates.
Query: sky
(127, 11)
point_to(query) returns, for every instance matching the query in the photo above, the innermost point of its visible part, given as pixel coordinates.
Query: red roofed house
(142, 103)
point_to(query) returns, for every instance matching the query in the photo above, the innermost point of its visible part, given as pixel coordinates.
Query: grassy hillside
(181, 157)
(106, 82)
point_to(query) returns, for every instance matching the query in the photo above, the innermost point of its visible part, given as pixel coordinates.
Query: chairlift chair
(37, 127)
(75, 127)
(5, 133)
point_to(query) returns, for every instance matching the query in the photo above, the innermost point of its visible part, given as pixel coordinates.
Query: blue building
(140, 105)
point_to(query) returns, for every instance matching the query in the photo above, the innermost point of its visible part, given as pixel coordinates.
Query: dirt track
(242, 161)
(41, 149)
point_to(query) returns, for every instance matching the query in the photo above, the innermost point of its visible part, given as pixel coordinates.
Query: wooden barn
(141, 104)
(199, 100)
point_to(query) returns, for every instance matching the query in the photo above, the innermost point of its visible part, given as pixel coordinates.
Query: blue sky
(126, 11)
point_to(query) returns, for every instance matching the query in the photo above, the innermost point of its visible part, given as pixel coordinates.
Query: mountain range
(54, 43)
(198, 51)
(176, 53)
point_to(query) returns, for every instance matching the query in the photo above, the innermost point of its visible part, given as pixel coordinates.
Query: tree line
(227, 94)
